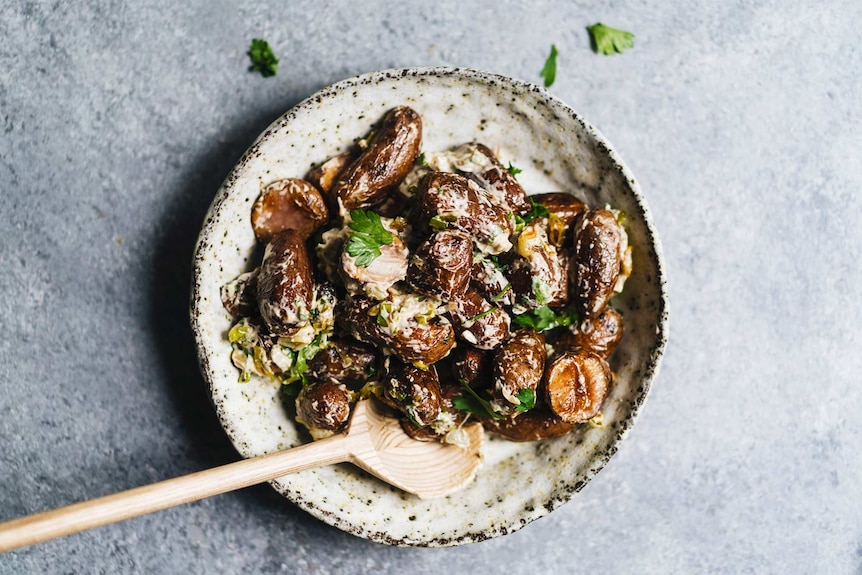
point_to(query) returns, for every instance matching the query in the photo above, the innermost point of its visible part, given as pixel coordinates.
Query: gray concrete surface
(120, 119)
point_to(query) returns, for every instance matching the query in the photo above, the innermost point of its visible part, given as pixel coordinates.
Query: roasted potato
(448, 422)
(414, 392)
(473, 367)
(346, 361)
(323, 407)
(599, 334)
(485, 169)
(441, 265)
(563, 208)
(575, 385)
(419, 341)
(386, 269)
(596, 261)
(518, 365)
(479, 323)
(447, 200)
(239, 297)
(326, 174)
(488, 276)
(285, 288)
(386, 161)
(289, 204)
(533, 425)
(536, 272)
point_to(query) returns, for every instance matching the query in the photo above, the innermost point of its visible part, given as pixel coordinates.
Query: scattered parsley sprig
(527, 397)
(262, 58)
(368, 235)
(472, 402)
(549, 70)
(607, 40)
(537, 210)
(544, 318)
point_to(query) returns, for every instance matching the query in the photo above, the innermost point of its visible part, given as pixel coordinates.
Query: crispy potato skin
(596, 261)
(518, 364)
(285, 286)
(478, 322)
(413, 391)
(427, 343)
(387, 160)
(346, 361)
(323, 405)
(575, 384)
(534, 425)
(564, 209)
(599, 334)
(441, 265)
(289, 204)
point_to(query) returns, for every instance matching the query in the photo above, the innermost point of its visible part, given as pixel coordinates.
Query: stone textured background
(119, 120)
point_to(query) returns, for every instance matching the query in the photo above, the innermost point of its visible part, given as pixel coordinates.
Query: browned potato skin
(448, 391)
(441, 265)
(289, 204)
(498, 177)
(426, 343)
(575, 384)
(239, 297)
(534, 425)
(323, 405)
(566, 208)
(346, 361)
(285, 286)
(386, 161)
(413, 391)
(487, 332)
(518, 364)
(326, 174)
(492, 282)
(596, 261)
(473, 367)
(599, 334)
(443, 192)
(543, 264)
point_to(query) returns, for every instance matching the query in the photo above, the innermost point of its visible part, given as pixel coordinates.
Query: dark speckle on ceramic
(558, 151)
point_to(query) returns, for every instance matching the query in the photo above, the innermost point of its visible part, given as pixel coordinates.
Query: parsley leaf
(262, 58)
(368, 235)
(473, 403)
(607, 40)
(544, 318)
(513, 170)
(549, 71)
(527, 397)
(537, 210)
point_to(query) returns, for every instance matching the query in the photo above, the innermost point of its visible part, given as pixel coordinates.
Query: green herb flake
(421, 160)
(607, 40)
(502, 292)
(472, 402)
(437, 223)
(480, 315)
(262, 58)
(527, 397)
(513, 170)
(544, 318)
(549, 71)
(537, 210)
(368, 235)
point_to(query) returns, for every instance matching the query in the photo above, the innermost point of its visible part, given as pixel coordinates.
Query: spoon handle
(172, 492)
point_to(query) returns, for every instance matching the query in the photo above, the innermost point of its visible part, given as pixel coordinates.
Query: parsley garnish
(502, 292)
(544, 318)
(527, 397)
(537, 210)
(262, 58)
(473, 403)
(549, 71)
(368, 235)
(479, 316)
(607, 40)
(513, 170)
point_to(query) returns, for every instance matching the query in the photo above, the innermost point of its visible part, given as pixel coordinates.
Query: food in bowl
(434, 282)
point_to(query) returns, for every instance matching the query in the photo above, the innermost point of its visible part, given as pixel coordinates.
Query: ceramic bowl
(558, 151)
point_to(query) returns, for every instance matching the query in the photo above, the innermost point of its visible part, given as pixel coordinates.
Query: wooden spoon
(374, 441)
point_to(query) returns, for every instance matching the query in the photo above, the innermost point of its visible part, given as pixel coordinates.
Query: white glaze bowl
(558, 151)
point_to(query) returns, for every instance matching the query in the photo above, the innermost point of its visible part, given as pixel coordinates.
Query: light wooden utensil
(374, 441)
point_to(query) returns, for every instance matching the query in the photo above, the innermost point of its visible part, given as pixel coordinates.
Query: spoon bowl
(374, 441)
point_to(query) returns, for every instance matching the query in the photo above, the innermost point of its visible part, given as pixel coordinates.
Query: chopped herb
(544, 318)
(607, 40)
(503, 292)
(527, 397)
(513, 170)
(368, 235)
(262, 58)
(480, 315)
(537, 210)
(300, 362)
(473, 403)
(549, 71)
(421, 160)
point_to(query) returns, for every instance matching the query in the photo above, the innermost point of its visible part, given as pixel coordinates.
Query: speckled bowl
(558, 151)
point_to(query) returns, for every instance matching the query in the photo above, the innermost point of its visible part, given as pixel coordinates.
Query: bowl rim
(650, 369)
